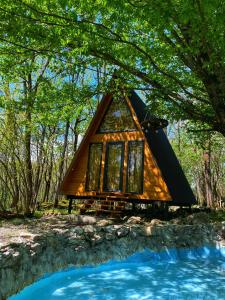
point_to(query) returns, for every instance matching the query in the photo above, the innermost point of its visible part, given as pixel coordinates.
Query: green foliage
(56, 60)
(38, 102)
(196, 151)
(174, 50)
(217, 215)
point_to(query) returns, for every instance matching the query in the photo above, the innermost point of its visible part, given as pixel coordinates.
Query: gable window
(135, 167)
(113, 175)
(94, 167)
(117, 118)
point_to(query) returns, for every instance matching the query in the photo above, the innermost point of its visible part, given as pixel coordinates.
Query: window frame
(122, 143)
(88, 168)
(142, 166)
(114, 131)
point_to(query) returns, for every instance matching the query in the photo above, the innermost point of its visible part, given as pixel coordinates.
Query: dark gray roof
(166, 159)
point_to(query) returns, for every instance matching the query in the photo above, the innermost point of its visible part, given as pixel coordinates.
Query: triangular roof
(159, 145)
(165, 157)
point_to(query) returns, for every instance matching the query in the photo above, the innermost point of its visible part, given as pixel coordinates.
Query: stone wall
(46, 251)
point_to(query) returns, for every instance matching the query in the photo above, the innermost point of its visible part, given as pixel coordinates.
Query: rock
(177, 221)
(86, 220)
(79, 230)
(89, 229)
(109, 236)
(122, 232)
(110, 229)
(222, 233)
(133, 234)
(157, 222)
(96, 239)
(134, 220)
(104, 222)
(116, 227)
(26, 235)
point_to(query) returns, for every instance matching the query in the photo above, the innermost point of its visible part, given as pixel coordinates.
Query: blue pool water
(171, 274)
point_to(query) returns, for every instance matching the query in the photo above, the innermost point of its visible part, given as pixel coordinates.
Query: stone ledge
(34, 252)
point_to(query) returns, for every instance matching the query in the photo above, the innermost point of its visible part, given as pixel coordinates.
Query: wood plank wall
(154, 187)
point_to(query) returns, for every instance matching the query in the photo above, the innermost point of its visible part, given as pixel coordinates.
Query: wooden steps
(111, 205)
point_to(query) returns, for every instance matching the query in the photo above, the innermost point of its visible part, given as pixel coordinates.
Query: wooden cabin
(126, 156)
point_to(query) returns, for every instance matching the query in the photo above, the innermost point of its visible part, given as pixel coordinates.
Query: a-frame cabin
(125, 155)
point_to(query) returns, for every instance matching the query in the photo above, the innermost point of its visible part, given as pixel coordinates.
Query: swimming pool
(170, 274)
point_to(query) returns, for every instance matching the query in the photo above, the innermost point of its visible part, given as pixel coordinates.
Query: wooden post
(166, 210)
(189, 208)
(70, 198)
(153, 208)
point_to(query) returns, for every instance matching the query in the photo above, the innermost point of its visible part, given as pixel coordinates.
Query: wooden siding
(154, 186)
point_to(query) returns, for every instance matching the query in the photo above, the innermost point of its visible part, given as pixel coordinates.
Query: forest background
(56, 61)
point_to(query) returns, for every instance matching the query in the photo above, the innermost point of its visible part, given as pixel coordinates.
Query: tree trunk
(48, 179)
(27, 144)
(11, 134)
(48, 174)
(207, 178)
(39, 170)
(62, 162)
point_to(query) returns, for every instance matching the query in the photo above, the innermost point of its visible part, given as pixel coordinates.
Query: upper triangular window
(117, 117)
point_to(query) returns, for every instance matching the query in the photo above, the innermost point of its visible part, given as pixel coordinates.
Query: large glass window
(94, 167)
(117, 118)
(113, 177)
(135, 167)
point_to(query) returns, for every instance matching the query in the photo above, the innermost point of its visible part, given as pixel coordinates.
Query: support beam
(166, 211)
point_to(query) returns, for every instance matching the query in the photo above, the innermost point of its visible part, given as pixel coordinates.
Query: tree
(28, 83)
(202, 157)
(173, 49)
(38, 106)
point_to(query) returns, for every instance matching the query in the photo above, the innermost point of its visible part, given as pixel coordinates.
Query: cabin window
(135, 167)
(94, 167)
(117, 118)
(113, 177)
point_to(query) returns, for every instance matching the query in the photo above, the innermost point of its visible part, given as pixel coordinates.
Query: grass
(53, 211)
(47, 208)
(217, 215)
